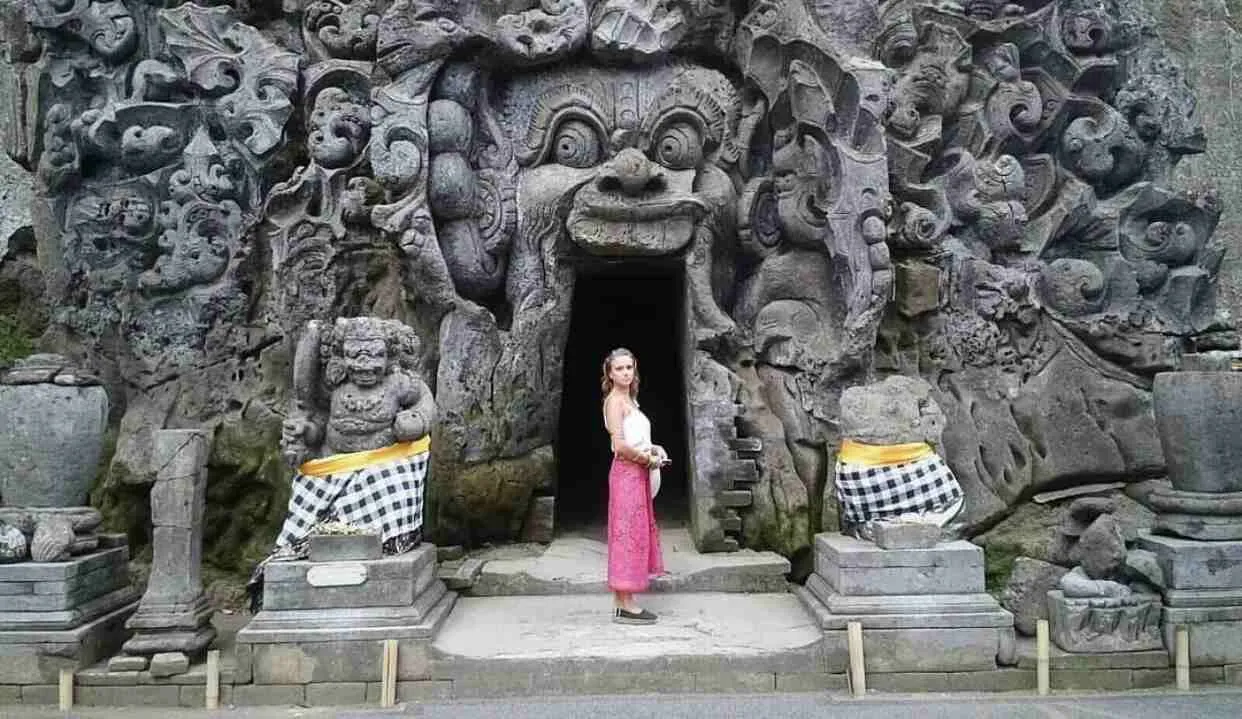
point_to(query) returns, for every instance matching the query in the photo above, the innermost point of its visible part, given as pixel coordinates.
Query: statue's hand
(409, 425)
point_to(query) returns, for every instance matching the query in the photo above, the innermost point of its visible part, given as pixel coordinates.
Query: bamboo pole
(388, 675)
(858, 670)
(1042, 657)
(66, 689)
(1182, 658)
(213, 679)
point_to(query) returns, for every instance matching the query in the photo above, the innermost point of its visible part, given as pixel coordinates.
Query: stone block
(1233, 674)
(329, 694)
(917, 287)
(43, 601)
(540, 520)
(343, 547)
(908, 682)
(1194, 564)
(389, 582)
(68, 619)
(419, 691)
(1152, 678)
(253, 695)
(196, 696)
(906, 535)
(1078, 625)
(174, 503)
(41, 694)
(1203, 598)
(140, 696)
(63, 571)
(48, 457)
(413, 659)
(1060, 659)
(1026, 594)
(929, 650)
(419, 621)
(810, 682)
(735, 682)
(1000, 680)
(97, 677)
(1211, 643)
(166, 664)
(1092, 679)
(357, 661)
(122, 663)
(854, 567)
(10, 694)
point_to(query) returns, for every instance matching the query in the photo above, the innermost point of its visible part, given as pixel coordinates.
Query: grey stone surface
(252, 695)
(395, 581)
(420, 621)
(1094, 625)
(1026, 594)
(1193, 564)
(897, 410)
(68, 571)
(51, 541)
(150, 696)
(1199, 415)
(540, 521)
(15, 623)
(338, 547)
(166, 664)
(174, 615)
(929, 650)
(853, 566)
(338, 661)
(336, 694)
(906, 535)
(50, 445)
(1215, 635)
(36, 656)
(1059, 659)
(577, 565)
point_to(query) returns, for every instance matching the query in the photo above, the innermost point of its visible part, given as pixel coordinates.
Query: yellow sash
(880, 455)
(352, 461)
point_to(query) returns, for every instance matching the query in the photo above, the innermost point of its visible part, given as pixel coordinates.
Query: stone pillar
(1198, 541)
(174, 615)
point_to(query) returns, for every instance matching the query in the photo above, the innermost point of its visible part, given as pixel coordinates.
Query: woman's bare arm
(614, 418)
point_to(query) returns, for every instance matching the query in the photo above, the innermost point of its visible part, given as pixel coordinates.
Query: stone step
(496, 646)
(578, 565)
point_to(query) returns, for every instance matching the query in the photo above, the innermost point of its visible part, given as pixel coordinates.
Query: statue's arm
(418, 410)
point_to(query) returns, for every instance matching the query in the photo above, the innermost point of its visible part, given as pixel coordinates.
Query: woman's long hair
(605, 383)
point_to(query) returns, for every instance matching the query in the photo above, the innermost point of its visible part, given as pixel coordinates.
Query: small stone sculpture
(892, 485)
(12, 544)
(1099, 607)
(52, 540)
(358, 432)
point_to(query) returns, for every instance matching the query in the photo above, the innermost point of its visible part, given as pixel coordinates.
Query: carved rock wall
(978, 193)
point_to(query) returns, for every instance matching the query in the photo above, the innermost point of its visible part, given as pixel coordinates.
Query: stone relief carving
(970, 192)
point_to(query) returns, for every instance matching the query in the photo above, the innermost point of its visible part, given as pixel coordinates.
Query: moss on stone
(488, 501)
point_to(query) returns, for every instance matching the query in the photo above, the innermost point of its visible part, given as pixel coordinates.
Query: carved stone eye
(680, 147)
(576, 145)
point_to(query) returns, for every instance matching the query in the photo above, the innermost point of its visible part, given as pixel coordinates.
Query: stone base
(419, 620)
(35, 656)
(64, 595)
(922, 610)
(1196, 564)
(1079, 625)
(1215, 633)
(389, 582)
(1199, 526)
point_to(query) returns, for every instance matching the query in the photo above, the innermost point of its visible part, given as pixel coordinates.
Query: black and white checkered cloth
(868, 493)
(384, 498)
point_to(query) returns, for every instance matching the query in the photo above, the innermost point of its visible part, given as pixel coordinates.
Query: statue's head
(633, 157)
(1101, 549)
(105, 25)
(898, 410)
(363, 350)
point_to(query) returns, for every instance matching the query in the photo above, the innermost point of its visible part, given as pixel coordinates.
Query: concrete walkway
(1206, 704)
(577, 564)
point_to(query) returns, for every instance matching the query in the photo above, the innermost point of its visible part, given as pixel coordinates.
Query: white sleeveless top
(636, 430)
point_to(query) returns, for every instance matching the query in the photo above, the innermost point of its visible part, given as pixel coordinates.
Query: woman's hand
(661, 455)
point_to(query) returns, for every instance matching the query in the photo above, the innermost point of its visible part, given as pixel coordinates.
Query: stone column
(1198, 544)
(174, 615)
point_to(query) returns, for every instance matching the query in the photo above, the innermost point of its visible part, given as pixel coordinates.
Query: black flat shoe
(621, 616)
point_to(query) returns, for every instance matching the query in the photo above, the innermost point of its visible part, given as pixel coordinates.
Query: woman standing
(633, 539)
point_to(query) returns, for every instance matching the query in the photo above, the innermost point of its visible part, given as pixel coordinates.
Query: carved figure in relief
(358, 432)
(641, 160)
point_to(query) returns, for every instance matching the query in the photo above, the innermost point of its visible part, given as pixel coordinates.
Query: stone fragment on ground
(1026, 595)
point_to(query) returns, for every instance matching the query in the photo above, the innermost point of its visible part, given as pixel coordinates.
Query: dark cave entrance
(642, 307)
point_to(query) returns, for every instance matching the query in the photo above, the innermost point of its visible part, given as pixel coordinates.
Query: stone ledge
(1060, 659)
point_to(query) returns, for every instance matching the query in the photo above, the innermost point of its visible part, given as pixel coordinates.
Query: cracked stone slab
(697, 632)
(578, 565)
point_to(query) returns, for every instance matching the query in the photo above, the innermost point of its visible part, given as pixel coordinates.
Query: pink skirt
(633, 538)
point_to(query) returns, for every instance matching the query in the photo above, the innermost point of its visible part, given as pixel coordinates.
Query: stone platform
(578, 565)
(62, 615)
(1202, 591)
(921, 610)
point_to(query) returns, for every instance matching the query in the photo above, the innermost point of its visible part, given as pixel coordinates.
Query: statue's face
(365, 360)
(630, 154)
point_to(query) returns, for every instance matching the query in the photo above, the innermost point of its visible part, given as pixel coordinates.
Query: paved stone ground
(1205, 704)
(577, 564)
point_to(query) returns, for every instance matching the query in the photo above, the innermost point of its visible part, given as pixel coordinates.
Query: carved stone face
(105, 25)
(635, 152)
(340, 128)
(366, 359)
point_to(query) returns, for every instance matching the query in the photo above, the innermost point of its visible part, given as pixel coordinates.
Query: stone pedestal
(922, 610)
(1094, 624)
(1202, 587)
(62, 615)
(326, 621)
(174, 615)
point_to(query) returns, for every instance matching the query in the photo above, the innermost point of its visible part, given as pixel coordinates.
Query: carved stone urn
(1199, 417)
(52, 435)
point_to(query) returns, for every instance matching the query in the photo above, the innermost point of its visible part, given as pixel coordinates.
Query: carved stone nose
(630, 172)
